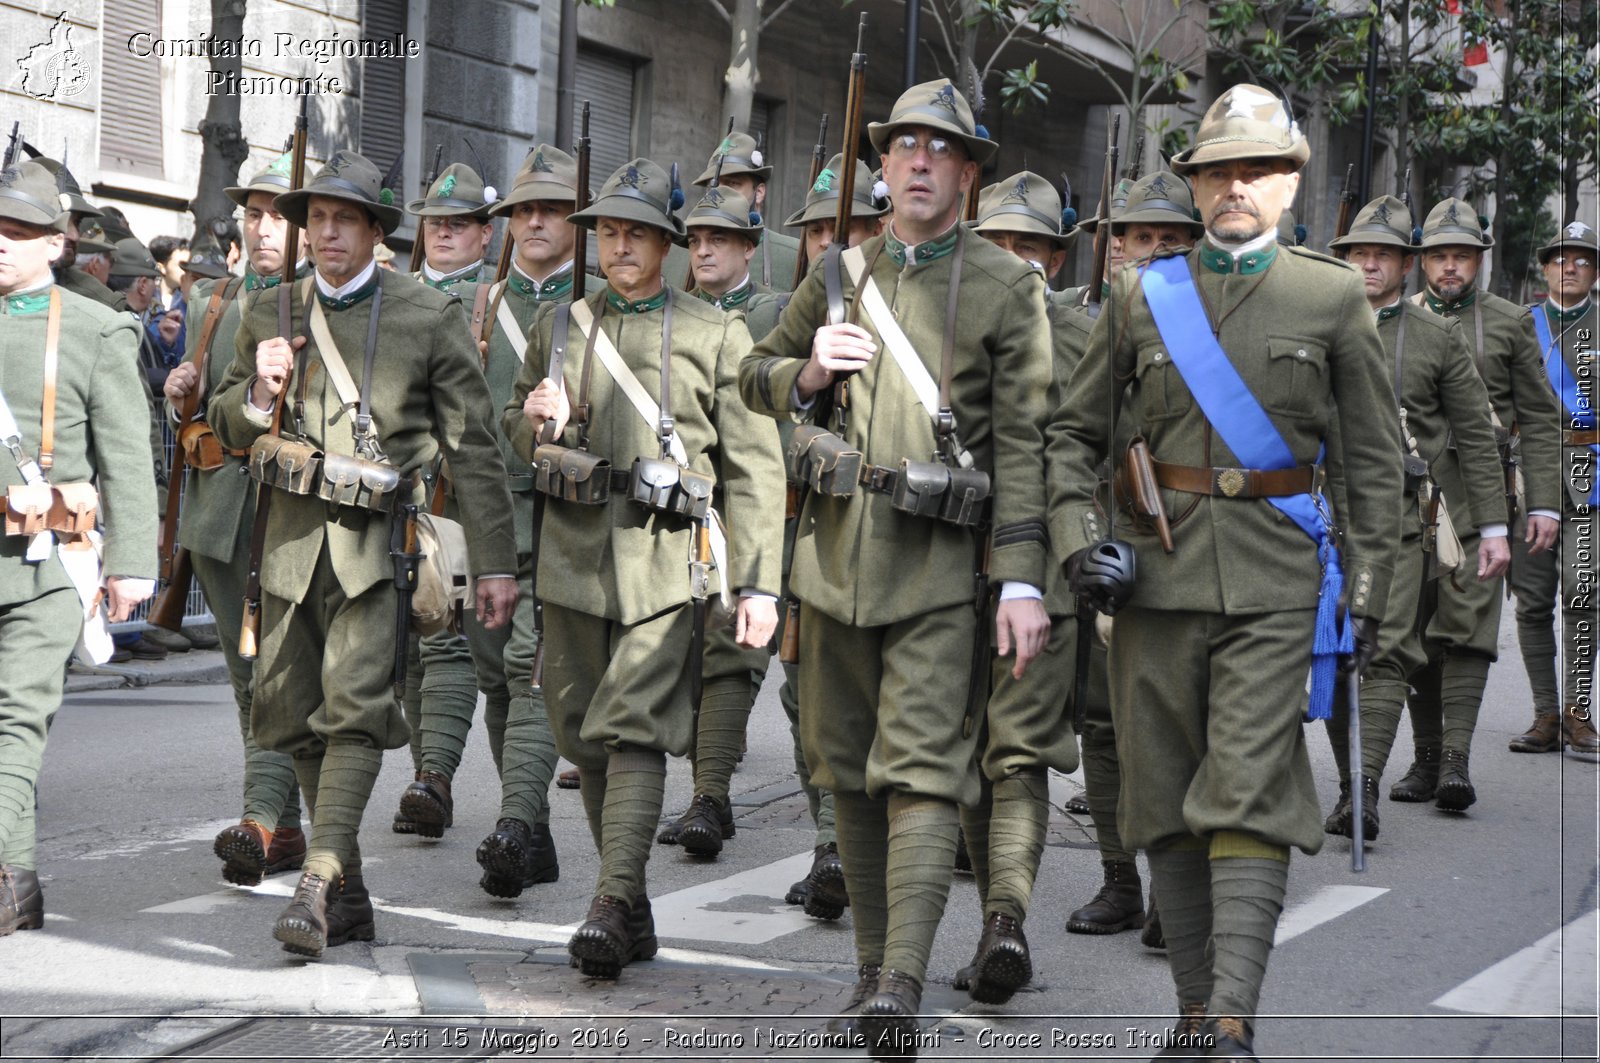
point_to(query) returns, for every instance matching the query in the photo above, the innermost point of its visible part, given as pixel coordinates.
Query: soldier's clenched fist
(274, 362)
(842, 348)
(547, 402)
(180, 382)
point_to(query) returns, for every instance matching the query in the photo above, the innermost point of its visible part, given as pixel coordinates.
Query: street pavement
(1469, 936)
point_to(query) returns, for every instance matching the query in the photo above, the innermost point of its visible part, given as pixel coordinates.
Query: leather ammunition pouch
(663, 486)
(571, 475)
(823, 461)
(363, 484)
(1416, 472)
(201, 448)
(286, 464)
(933, 489)
(28, 508)
(66, 509)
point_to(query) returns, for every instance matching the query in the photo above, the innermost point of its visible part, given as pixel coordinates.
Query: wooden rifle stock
(819, 160)
(419, 245)
(1347, 203)
(854, 109)
(169, 608)
(1102, 230)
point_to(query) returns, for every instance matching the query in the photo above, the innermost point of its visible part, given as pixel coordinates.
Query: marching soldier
(1026, 728)
(1566, 329)
(723, 234)
(1238, 352)
(387, 377)
(521, 852)
(869, 205)
(1448, 451)
(1462, 639)
(219, 506)
(442, 693)
(885, 571)
(644, 421)
(66, 363)
(745, 171)
(68, 275)
(1153, 214)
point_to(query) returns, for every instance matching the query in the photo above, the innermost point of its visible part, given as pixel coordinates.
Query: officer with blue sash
(1566, 326)
(1243, 356)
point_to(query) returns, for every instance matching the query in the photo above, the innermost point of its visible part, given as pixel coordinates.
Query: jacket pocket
(1296, 376)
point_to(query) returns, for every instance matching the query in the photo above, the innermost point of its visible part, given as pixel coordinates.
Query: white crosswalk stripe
(1559, 968)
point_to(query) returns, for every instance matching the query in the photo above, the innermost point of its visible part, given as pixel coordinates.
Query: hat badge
(713, 198)
(9, 176)
(1019, 193)
(1451, 216)
(824, 182)
(1159, 186)
(631, 178)
(447, 186)
(1383, 213)
(540, 165)
(1577, 231)
(280, 165)
(946, 98)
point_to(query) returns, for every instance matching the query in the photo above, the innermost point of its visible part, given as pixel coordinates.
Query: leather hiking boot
(888, 1020)
(603, 945)
(1187, 1039)
(517, 856)
(402, 823)
(243, 850)
(1118, 906)
(1454, 792)
(825, 868)
(1544, 736)
(303, 926)
(1002, 965)
(1418, 783)
(842, 1027)
(1077, 804)
(1338, 821)
(1152, 937)
(569, 780)
(21, 900)
(1231, 1038)
(702, 828)
(428, 805)
(350, 914)
(1577, 728)
(826, 896)
(287, 851)
(642, 944)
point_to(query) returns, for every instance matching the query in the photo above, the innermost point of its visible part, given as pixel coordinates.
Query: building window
(130, 98)
(383, 85)
(606, 81)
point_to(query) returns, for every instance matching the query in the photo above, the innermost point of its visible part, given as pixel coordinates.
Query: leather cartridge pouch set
(201, 448)
(365, 480)
(661, 484)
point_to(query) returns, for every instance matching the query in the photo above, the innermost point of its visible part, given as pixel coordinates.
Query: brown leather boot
(303, 926)
(1002, 964)
(702, 829)
(21, 900)
(1419, 781)
(243, 850)
(1118, 906)
(1455, 792)
(602, 945)
(842, 1027)
(1544, 736)
(1187, 1039)
(350, 914)
(569, 780)
(888, 1021)
(1577, 727)
(517, 856)
(402, 822)
(287, 851)
(1231, 1038)
(825, 881)
(428, 805)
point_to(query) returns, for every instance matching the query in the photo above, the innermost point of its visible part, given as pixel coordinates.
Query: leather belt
(1581, 437)
(621, 480)
(879, 478)
(519, 483)
(1236, 483)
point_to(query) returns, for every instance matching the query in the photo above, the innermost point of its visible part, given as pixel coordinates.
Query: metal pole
(913, 35)
(567, 74)
(1370, 120)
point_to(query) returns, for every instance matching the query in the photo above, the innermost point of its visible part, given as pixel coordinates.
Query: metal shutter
(383, 85)
(760, 123)
(130, 92)
(605, 80)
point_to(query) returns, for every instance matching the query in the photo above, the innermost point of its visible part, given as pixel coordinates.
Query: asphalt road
(1469, 936)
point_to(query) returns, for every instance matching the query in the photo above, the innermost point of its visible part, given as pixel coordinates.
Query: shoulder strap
(52, 350)
(221, 296)
(502, 315)
(559, 334)
(359, 402)
(1477, 328)
(600, 345)
(480, 305)
(1400, 350)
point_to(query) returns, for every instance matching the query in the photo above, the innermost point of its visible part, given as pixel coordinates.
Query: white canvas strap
(332, 360)
(508, 323)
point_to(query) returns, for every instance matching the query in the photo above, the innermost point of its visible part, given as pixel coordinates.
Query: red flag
(1475, 55)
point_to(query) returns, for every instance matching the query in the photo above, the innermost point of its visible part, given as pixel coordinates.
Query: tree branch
(721, 11)
(768, 20)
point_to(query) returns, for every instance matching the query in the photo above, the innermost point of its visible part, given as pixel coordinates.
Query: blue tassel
(1299, 235)
(981, 131)
(1069, 218)
(1332, 638)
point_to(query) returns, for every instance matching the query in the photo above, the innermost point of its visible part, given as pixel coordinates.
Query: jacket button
(1301, 353)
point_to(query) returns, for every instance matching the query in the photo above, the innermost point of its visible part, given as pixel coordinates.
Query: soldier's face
(753, 191)
(631, 253)
(720, 258)
(97, 266)
(1140, 240)
(1570, 273)
(927, 173)
(265, 231)
(1451, 270)
(455, 243)
(1240, 199)
(543, 236)
(1031, 247)
(819, 234)
(342, 236)
(1383, 270)
(26, 252)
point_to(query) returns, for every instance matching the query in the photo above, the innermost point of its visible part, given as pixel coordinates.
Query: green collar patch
(466, 275)
(1216, 260)
(347, 301)
(1559, 316)
(557, 287)
(642, 306)
(1387, 312)
(1440, 306)
(33, 302)
(730, 300)
(254, 281)
(923, 253)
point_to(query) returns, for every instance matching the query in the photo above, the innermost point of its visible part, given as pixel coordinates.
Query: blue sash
(1243, 425)
(1580, 413)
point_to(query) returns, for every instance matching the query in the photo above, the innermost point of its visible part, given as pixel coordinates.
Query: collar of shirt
(1561, 315)
(733, 298)
(640, 306)
(346, 295)
(1252, 256)
(927, 251)
(1384, 313)
(556, 286)
(30, 300)
(444, 281)
(1440, 306)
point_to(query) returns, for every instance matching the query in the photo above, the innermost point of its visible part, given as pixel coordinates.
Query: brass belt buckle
(1229, 481)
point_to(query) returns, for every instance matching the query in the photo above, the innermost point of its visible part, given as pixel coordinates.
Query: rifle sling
(52, 352)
